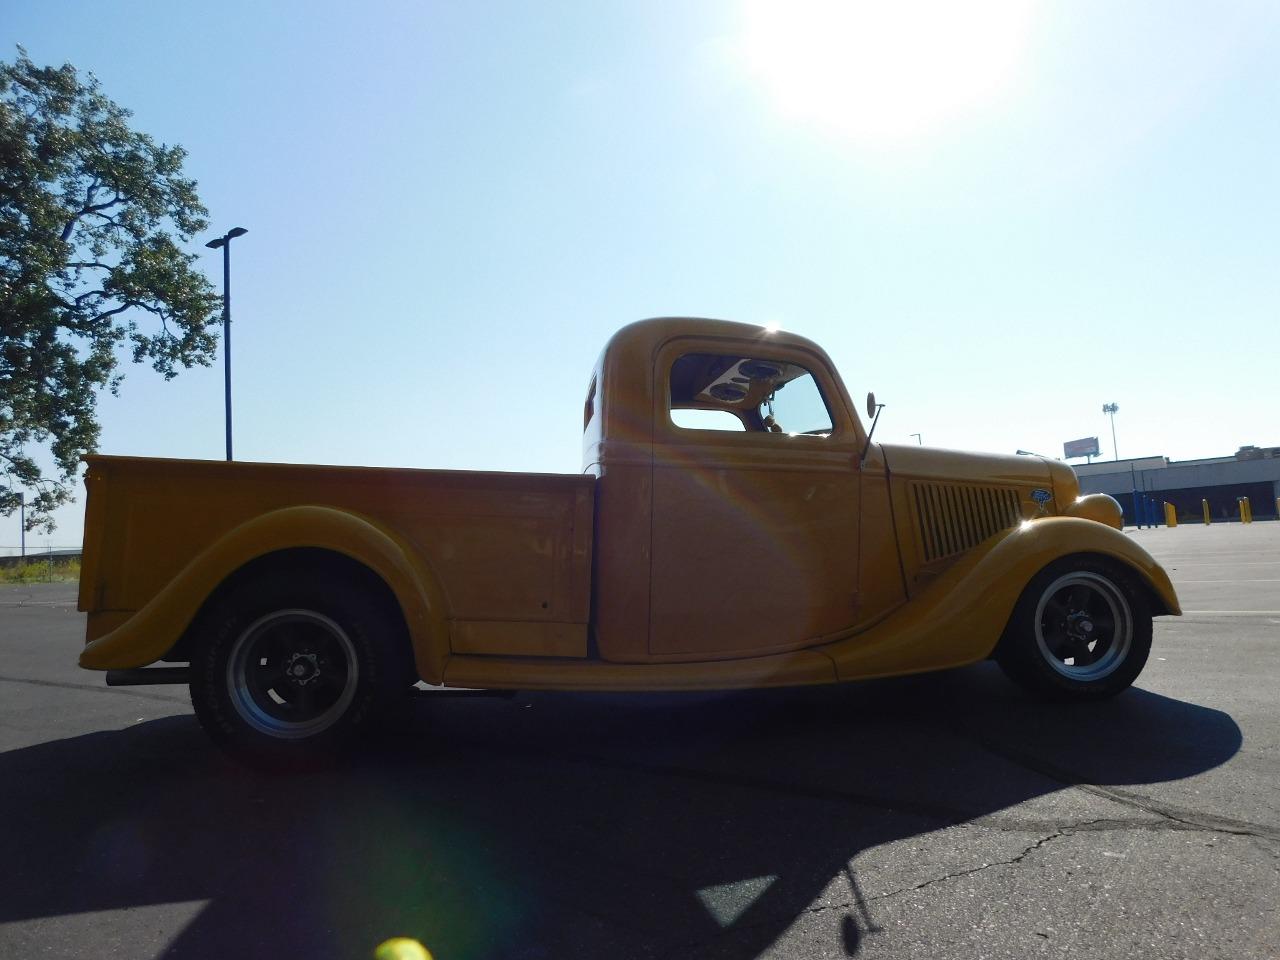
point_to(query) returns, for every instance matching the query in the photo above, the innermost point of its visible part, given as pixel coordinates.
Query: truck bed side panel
(512, 551)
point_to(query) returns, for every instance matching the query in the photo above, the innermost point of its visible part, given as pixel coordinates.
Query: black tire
(288, 669)
(1080, 631)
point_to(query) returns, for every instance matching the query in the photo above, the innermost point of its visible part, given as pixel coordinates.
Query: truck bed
(511, 551)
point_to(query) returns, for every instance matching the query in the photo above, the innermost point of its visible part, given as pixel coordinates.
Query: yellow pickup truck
(733, 526)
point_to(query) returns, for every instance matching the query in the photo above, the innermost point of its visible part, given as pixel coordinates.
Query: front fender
(151, 632)
(959, 618)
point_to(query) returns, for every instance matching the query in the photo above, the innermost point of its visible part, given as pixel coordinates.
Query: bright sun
(881, 73)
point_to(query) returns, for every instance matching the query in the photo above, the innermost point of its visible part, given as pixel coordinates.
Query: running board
(460, 692)
(148, 676)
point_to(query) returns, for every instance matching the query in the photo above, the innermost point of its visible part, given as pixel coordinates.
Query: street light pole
(224, 242)
(22, 522)
(226, 336)
(1111, 408)
(919, 440)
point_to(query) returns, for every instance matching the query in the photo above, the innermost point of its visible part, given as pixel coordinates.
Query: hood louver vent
(953, 518)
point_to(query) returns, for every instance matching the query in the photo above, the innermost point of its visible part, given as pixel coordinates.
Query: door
(755, 502)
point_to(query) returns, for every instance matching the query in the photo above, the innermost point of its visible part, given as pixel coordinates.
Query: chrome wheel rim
(292, 674)
(1084, 627)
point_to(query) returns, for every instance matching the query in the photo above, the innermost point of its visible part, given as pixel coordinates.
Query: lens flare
(888, 71)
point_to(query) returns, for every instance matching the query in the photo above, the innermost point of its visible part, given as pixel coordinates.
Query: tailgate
(89, 598)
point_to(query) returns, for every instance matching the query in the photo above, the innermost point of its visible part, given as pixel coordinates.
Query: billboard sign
(1087, 447)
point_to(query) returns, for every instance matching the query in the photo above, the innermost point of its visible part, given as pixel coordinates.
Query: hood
(950, 501)
(959, 466)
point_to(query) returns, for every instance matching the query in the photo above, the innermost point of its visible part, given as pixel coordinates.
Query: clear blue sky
(997, 219)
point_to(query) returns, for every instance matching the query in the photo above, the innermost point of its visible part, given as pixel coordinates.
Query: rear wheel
(287, 670)
(1080, 630)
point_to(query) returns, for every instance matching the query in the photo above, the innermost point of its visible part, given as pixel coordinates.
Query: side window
(696, 419)
(726, 392)
(589, 408)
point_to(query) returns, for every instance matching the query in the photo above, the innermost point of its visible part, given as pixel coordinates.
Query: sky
(997, 215)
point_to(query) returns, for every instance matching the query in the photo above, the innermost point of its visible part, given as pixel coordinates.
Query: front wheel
(288, 670)
(1081, 630)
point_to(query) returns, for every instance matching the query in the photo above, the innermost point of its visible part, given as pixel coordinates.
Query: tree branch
(160, 312)
(114, 310)
(37, 482)
(85, 207)
(94, 208)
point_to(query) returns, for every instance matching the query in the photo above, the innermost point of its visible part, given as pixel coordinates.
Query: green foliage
(91, 217)
(39, 570)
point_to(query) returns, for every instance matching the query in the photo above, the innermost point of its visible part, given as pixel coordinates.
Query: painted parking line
(1228, 581)
(1231, 613)
(1176, 564)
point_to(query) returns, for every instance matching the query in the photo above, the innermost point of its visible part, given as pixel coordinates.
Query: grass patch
(54, 570)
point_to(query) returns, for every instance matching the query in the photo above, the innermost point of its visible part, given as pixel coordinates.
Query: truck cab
(735, 515)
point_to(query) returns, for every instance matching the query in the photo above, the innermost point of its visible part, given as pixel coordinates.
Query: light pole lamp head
(1111, 408)
(226, 238)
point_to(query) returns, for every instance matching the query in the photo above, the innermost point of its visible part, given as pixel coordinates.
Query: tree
(91, 217)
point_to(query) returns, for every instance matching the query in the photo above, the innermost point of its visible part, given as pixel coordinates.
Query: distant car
(733, 526)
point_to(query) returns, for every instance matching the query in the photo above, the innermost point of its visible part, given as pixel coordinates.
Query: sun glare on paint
(883, 72)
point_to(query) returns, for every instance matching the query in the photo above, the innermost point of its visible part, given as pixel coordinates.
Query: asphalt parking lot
(939, 816)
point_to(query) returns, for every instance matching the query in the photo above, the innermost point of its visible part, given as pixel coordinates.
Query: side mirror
(873, 411)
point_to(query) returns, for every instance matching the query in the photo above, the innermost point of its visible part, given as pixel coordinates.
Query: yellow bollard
(1170, 514)
(1240, 507)
(1204, 505)
(1248, 511)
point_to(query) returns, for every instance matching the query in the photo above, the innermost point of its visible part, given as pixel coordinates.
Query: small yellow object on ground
(401, 948)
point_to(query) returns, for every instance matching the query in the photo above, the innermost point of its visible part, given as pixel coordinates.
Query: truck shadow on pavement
(563, 826)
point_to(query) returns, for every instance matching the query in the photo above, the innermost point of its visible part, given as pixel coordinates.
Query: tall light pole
(1111, 408)
(224, 242)
(919, 440)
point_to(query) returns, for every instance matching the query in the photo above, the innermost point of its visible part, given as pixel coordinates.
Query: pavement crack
(1183, 819)
(859, 902)
(956, 875)
(1084, 826)
(118, 691)
(1158, 822)
(1162, 817)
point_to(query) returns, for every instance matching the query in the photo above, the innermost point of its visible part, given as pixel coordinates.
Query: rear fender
(152, 631)
(959, 618)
